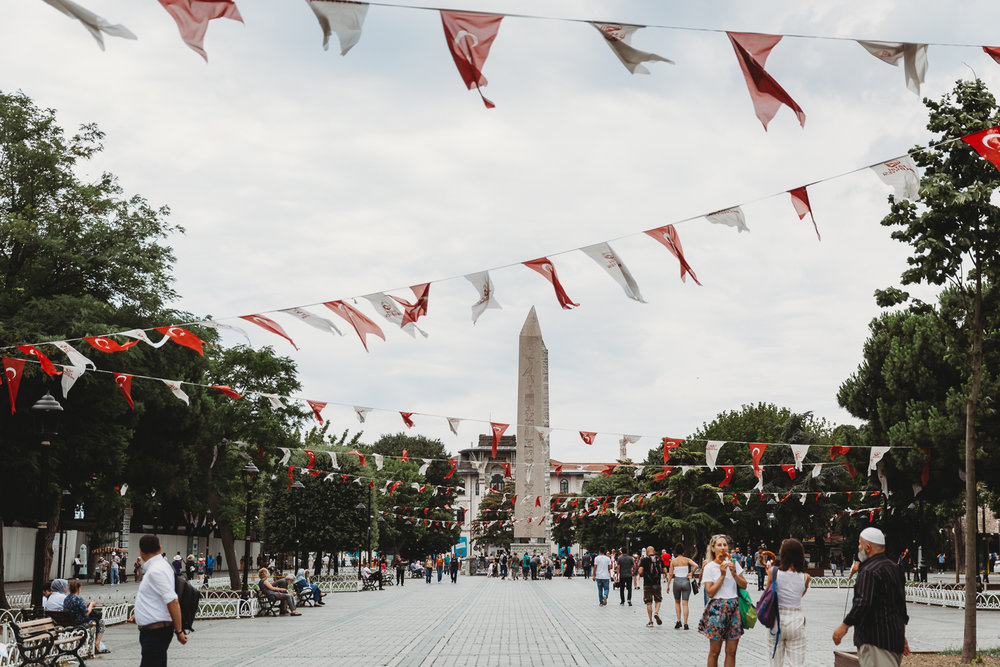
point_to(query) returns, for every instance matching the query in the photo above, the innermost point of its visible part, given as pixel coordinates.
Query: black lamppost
(296, 487)
(362, 511)
(47, 411)
(62, 533)
(628, 543)
(249, 475)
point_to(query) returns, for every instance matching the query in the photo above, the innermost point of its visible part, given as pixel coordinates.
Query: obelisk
(531, 479)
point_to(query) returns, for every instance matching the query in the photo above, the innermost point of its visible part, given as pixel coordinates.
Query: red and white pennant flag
(470, 37)
(766, 94)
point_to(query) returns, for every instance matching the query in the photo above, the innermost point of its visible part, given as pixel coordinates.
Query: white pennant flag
(343, 18)
(619, 38)
(415, 486)
(329, 477)
(286, 454)
(802, 499)
(386, 307)
(484, 286)
(760, 483)
(875, 457)
(884, 481)
(379, 462)
(175, 389)
(315, 321)
(914, 57)
(604, 254)
(425, 466)
(799, 454)
(638, 471)
(817, 469)
(139, 334)
(712, 448)
(917, 488)
(722, 496)
(274, 400)
(902, 175)
(219, 326)
(731, 217)
(91, 21)
(123, 490)
(70, 375)
(686, 469)
(75, 358)
(362, 413)
(215, 456)
(333, 460)
(453, 423)
(527, 473)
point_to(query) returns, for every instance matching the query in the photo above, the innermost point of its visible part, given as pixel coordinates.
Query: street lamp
(628, 542)
(249, 475)
(62, 533)
(362, 511)
(47, 411)
(296, 487)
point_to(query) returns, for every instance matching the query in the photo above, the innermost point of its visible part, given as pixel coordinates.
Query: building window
(461, 515)
(477, 487)
(541, 540)
(496, 482)
(564, 486)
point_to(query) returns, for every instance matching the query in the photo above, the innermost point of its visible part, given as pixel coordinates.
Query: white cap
(873, 535)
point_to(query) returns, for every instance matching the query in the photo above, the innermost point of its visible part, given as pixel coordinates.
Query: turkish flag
(107, 345)
(588, 437)
(124, 383)
(454, 464)
(506, 469)
(183, 337)
(317, 407)
(270, 325)
(545, 267)
(838, 450)
(660, 476)
(667, 235)
(850, 469)
(392, 489)
(192, 17)
(800, 200)
(789, 468)
(729, 475)
(47, 365)
(413, 311)
(756, 451)
(312, 459)
(13, 369)
(993, 52)
(407, 418)
(228, 391)
(538, 501)
(406, 458)
(470, 37)
(986, 143)
(608, 469)
(498, 430)
(766, 94)
(668, 445)
(361, 457)
(362, 325)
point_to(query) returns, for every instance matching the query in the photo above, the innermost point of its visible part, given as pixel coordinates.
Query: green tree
(493, 523)
(955, 235)
(77, 257)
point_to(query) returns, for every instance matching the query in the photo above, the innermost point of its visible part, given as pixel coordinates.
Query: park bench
(303, 595)
(369, 584)
(42, 642)
(268, 606)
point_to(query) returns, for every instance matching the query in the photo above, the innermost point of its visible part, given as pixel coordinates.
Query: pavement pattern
(491, 622)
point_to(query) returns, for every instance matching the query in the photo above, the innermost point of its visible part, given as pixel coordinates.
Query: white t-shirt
(602, 567)
(712, 574)
(156, 590)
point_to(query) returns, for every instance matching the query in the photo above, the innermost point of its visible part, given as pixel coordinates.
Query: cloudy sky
(302, 176)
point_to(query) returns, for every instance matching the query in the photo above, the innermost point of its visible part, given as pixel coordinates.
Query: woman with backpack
(792, 582)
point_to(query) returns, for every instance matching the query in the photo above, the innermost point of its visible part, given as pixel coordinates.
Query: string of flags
(387, 487)
(470, 36)
(899, 173)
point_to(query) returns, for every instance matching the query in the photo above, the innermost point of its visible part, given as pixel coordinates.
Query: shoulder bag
(767, 605)
(747, 612)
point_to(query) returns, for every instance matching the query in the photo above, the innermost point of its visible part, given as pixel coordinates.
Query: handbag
(747, 612)
(96, 614)
(695, 586)
(767, 605)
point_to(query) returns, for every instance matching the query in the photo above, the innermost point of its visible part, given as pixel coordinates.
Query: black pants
(625, 583)
(154, 645)
(534, 571)
(454, 575)
(400, 576)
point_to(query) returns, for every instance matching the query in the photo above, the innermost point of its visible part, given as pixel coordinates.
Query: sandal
(658, 620)
(295, 613)
(649, 625)
(102, 651)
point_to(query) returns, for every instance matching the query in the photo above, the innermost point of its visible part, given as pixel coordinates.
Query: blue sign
(462, 548)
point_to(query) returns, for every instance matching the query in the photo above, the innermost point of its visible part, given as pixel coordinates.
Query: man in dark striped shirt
(879, 612)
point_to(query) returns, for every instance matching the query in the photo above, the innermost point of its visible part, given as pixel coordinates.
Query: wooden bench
(268, 606)
(42, 642)
(369, 584)
(303, 595)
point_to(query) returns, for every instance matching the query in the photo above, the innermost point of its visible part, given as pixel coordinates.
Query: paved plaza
(481, 621)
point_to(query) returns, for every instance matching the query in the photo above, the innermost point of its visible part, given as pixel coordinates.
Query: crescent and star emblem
(120, 380)
(11, 374)
(992, 141)
(175, 331)
(465, 33)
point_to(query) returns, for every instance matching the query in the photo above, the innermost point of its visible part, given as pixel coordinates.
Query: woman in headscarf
(302, 581)
(54, 602)
(84, 615)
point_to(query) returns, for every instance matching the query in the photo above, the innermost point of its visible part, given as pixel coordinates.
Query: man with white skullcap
(879, 611)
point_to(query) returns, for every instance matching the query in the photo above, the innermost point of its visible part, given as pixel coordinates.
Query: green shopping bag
(747, 612)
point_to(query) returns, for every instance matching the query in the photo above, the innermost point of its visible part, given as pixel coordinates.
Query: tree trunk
(969, 641)
(3, 590)
(52, 527)
(957, 543)
(225, 533)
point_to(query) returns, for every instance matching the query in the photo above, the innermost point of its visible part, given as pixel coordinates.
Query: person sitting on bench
(302, 581)
(84, 615)
(373, 575)
(275, 593)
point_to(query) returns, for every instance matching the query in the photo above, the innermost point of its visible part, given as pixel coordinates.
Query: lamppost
(628, 542)
(62, 534)
(296, 487)
(47, 411)
(362, 511)
(249, 475)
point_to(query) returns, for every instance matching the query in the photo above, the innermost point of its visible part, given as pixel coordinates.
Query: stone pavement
(481, 621)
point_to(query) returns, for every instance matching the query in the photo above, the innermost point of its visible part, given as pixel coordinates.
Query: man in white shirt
(157, 611)
(602, 575)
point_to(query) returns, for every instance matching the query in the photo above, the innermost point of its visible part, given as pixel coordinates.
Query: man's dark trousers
(154, 645)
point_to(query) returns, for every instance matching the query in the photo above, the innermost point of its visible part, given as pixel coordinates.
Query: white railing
(831, 582)
(342, 586)
(950, 597)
